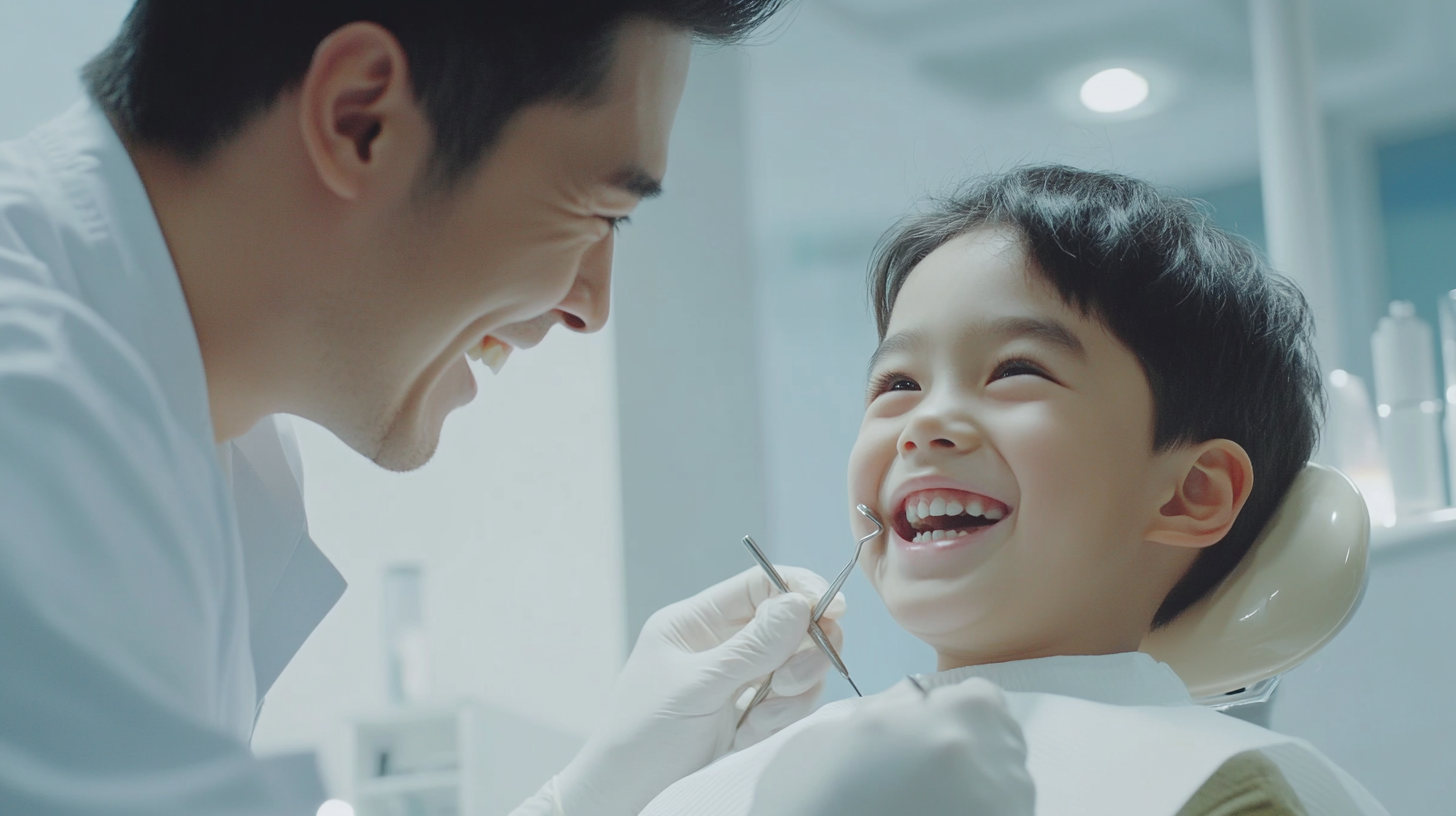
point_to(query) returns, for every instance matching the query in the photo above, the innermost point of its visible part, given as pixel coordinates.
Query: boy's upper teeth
(917, 510)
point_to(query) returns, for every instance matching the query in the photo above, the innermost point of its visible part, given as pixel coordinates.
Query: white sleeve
(544, 803)
(117, 591)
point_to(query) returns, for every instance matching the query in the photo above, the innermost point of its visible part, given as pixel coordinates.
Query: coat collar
(1129, 678)
(121, 266)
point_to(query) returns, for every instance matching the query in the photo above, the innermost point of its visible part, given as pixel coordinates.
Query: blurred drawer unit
(468, 759)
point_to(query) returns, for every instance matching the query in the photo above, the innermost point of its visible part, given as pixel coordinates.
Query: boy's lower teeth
(938, 535)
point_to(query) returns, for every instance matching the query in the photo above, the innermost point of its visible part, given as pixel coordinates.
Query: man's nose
(587, 304)
(939, 428)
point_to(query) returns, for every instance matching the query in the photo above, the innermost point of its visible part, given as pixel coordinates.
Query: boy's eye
(892, 382)
(1018, 368)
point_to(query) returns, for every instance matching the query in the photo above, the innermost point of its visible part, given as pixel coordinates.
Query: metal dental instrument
(848, 568)
(816, 633)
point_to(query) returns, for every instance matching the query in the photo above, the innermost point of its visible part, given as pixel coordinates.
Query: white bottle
(1446, 310)
(1353, 442)
(1409, 409)
(406, 642)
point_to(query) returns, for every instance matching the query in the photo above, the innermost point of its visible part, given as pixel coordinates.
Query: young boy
(1086, 403)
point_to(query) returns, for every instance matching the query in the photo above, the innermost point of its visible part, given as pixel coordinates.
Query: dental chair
(1292, 593)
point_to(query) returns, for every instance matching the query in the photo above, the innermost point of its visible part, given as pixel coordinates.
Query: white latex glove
(676, 705)
(957, 751)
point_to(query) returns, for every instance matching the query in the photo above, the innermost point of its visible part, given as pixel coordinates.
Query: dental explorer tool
(848, 568)
(816, 633)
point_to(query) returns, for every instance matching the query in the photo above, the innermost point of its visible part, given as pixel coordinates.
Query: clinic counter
(1434, 529)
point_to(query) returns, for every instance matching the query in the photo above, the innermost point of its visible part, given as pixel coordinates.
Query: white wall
(43, 44)
(516, 525)
(692, 466)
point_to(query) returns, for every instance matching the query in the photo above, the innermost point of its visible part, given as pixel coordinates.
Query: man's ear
(357, 112)
(1213, 482)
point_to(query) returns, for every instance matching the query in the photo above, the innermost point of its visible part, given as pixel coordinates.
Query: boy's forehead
(978, 280)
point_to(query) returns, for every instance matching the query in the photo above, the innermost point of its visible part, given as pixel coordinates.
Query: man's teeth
(492, 352)
(915, 512)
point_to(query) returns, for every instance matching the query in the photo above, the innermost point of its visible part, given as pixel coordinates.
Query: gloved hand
(676, 705)
(956, 751)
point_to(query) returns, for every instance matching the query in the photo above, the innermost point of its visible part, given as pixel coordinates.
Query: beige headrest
(1290, 595)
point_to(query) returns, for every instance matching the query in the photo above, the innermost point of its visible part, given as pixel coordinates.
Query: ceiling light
(1114, 90)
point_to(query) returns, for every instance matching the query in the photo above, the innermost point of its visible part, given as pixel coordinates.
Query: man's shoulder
(46, 332)
(62, 366)
(32, 212)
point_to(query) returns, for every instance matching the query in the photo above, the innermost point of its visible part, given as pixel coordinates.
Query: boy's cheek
(869, 464)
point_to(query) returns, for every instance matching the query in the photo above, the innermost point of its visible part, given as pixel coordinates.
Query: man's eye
(1018, 368)
(616, 222)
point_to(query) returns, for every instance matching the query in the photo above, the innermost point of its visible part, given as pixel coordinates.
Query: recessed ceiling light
(1114, 90)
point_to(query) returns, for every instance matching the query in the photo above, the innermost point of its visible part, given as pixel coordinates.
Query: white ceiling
(860, 106)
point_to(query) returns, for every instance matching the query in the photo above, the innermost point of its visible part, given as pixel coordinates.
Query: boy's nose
(935, 431)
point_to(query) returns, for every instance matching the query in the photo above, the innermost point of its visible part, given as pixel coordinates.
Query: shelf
(408, 783)
(1430, 530)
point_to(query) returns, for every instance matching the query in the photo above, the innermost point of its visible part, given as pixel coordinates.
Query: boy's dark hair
(1225, 343)
(186, 75)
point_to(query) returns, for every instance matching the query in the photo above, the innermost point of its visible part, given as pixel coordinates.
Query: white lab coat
(152, 584)
(1106, 735)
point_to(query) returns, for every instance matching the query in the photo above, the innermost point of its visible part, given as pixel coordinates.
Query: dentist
(321, 207)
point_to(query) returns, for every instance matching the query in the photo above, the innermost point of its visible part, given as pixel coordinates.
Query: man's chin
(402, 455)
(411, 438)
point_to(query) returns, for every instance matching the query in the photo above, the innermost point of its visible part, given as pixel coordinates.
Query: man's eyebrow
(638, 182)
(1047, 331)
(903, 341)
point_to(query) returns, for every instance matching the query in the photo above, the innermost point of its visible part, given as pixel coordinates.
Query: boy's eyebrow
(903, 341)
(1007, 328)
(1048, 331)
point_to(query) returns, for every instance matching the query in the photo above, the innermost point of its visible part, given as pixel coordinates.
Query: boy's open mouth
(939, 514)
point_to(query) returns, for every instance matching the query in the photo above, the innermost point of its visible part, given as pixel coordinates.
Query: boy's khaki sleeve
(1247, 784)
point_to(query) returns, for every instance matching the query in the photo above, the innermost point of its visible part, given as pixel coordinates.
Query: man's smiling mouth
(940, 514)
(492, 351)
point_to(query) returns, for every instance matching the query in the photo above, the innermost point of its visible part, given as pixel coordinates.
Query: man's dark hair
(186, 75)
(1225, 343)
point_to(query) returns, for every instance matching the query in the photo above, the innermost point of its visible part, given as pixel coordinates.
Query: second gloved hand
(956, 751)
(675, 707)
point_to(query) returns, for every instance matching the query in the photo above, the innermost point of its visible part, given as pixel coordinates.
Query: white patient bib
(1108, 734)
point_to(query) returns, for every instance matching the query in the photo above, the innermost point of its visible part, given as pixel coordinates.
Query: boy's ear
(1207, 496)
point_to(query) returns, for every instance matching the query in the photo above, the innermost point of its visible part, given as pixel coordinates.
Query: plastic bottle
(1410, 409)
(1446, 309)
(406, 642)
(1354, 442)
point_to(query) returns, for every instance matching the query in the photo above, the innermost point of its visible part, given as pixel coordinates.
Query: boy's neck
(947, 659)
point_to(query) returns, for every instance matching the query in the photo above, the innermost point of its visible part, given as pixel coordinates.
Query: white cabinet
(464, 760)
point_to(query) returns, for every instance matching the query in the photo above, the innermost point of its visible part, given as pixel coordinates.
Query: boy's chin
(931, 610)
